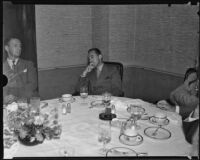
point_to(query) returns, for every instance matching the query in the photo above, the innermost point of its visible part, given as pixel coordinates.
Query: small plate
(70, 101)
(161, 133)
(97, 104)
(131, 140)
(153, 121)
(120, 151)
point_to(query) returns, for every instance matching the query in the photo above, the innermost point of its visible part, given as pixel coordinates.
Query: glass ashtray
(131, 140)
(157, 133)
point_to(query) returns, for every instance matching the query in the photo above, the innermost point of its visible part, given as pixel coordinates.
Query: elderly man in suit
(100, 77)
(21, 74)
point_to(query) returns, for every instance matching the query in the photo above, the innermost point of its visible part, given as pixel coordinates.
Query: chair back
(119, 66)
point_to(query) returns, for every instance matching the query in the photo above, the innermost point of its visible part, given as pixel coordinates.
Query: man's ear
(6, 48)
(100, 57)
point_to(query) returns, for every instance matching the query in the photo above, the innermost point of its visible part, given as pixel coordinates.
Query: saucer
(69, 101)
(153, 121)
(131, 140)
(161, 133)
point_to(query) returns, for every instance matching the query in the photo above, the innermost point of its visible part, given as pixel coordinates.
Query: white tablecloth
(79, 131)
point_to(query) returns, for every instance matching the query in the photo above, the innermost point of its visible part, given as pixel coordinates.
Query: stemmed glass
(106, 98)
(136, 113)
(84, 92)
(104, 135)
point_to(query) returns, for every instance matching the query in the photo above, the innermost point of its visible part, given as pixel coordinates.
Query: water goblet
(106, 98)
(84, 93)
(35, 104)
(104, 135)
(136, 114)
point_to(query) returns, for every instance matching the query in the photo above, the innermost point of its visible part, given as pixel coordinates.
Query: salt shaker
(64, 108)
(69, 108)
(113, 110)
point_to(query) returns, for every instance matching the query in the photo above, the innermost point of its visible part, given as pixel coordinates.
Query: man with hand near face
(21, 74)
(100, 76)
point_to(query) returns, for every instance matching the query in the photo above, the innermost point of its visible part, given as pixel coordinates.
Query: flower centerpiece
(31, 127)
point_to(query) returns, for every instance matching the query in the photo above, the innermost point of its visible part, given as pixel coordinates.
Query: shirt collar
(10, 62)
(100, 67)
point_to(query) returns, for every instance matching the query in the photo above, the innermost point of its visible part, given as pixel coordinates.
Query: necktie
(13, 64)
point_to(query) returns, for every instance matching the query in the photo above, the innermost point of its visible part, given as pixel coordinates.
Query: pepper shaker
(69, 108)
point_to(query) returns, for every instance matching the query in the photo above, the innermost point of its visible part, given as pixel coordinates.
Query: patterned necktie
(13, 65)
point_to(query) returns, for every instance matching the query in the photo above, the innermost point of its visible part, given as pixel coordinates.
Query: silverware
(155, 132)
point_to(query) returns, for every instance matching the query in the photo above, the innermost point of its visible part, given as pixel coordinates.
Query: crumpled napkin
(119, 105)
(122, 105)
(12, 107)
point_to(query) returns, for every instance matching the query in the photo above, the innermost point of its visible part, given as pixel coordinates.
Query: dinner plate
(131, 140)
(120, 151)
(70, 101)
(97, 104)
(161, 133)
(153, 121)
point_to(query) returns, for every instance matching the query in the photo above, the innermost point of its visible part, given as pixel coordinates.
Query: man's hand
(9, 98)
(88, 69)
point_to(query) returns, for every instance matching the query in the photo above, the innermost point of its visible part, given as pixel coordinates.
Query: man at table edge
(100, 77)
(21, 74)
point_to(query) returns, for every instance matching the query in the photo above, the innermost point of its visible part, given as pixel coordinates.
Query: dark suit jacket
(24, 82)
(108, 81)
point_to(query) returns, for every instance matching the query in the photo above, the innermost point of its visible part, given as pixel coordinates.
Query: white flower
(38, 120)
(12, 107)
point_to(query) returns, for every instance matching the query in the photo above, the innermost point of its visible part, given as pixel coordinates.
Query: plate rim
(170, 134)
(132, 150)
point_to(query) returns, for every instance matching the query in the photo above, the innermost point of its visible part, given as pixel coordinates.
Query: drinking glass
(22, 103)
(84, 93)
(136, 113)
(35, 104)
(104, 135)
(106, 98)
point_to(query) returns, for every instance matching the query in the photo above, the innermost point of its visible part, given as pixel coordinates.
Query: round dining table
(80, 131)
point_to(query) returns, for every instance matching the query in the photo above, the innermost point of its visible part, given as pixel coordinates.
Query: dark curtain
(19, 22)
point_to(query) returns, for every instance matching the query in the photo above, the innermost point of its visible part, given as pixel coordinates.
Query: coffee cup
(160, 117)
(66, 97)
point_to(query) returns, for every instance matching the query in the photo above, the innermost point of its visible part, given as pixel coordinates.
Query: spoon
(155, 132)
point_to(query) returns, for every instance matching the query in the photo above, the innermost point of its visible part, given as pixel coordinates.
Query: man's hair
(96, 50)
(7, 40)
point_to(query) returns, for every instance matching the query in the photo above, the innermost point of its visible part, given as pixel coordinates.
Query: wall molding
(125, 66)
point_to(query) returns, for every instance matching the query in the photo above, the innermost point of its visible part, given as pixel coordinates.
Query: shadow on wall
(137, 83)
